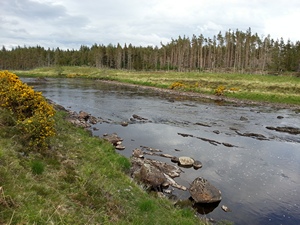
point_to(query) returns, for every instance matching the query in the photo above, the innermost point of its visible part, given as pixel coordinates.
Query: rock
(197, 164)
(253, 135)
(242, 118)
(120, 147)
(204, 192)
(83, 115)
(174, 184)
(172, 171)
(185, 135)
(166, 155)
(225, 208)
(124, 124)
(290, 130)
(175, 159)
(137, 117)
(92, 119)
(138, 153)
(228, 144)
(216, 132)
(280, 117)
(145, 172)
(186, 161)
(203, 124)
(112, 138)
(154, 173)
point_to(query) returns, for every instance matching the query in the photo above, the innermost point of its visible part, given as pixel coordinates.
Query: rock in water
(197, 164)
(225, 208)
(186, 161)
(204, 192)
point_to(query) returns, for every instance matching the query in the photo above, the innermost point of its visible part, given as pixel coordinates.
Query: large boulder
(153, 173)
(145, 172)
(204, 192)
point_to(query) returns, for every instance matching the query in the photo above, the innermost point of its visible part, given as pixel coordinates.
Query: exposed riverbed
(257, 169)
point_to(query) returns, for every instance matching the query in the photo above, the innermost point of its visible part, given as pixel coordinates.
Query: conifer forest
(233, 51)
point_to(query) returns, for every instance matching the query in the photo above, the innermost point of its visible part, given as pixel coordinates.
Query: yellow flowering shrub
(177, 85)
(220, 90)
(34, 115)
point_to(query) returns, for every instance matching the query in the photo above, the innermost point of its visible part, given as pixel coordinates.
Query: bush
(177, 85)
(33, 114)
(220, 90)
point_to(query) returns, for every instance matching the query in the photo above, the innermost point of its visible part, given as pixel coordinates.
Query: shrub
(220, 90)
(33, 114)
(177, 85)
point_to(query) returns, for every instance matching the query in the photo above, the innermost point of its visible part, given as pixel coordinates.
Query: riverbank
(79, 180)
(196, 95)
(241, 88)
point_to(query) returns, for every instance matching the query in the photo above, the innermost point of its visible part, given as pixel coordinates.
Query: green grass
(256, 87)
(79, 180)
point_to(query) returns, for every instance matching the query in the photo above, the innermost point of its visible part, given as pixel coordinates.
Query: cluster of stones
(115, 140)
(82, 119)
(159, 175)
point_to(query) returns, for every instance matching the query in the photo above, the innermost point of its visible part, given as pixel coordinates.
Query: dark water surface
(259, 179)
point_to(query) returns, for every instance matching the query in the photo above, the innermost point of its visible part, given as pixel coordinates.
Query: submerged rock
(290, 130)
(204, 192)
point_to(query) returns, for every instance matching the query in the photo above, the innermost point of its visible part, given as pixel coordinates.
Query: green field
(257, 87)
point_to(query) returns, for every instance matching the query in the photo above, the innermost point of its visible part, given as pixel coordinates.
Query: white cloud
(69, 23)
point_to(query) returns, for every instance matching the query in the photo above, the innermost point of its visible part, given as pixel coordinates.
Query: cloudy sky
(67, 24)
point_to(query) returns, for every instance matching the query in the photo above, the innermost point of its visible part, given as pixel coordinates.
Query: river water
(259, 179)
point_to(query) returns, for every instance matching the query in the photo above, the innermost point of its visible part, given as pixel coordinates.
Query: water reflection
(259, 179)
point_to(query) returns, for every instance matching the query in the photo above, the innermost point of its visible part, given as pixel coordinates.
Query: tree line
(233, 51)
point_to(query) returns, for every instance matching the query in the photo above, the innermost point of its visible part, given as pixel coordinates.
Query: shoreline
(196, 95)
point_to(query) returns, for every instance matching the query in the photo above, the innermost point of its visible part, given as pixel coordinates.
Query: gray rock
(148, 174)
(197, 164)
(204, 192)
(154, 173)
(242, 118)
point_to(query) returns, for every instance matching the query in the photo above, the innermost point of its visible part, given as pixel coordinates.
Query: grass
(79, 180)
(266, 88)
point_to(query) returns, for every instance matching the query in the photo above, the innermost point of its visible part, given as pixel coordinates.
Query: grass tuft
(37, 167)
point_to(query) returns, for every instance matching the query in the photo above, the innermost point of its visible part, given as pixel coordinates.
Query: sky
(68, 24)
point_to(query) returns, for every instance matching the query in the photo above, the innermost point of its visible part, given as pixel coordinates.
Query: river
(259, 177)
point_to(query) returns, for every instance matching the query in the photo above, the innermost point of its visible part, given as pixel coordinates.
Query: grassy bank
(268, 88)
(79, 180)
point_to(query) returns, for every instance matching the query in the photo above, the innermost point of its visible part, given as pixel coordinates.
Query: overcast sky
(72, 23)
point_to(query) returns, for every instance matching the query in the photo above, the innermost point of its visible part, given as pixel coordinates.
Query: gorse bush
(33, 114)
(219, 91)
(177, 85)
